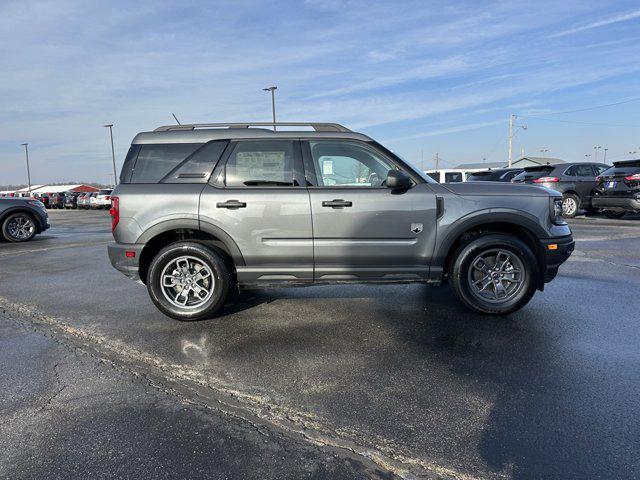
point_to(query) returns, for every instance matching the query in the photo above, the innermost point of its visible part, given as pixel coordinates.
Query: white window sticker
(327, 167)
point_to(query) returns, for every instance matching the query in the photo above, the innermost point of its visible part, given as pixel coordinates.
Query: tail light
(107, 197)
(545, 180)
(633, 178)
(114, 212)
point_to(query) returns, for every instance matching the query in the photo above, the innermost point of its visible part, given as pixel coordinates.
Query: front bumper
(127, 265)
(552, 257)
(628, 204)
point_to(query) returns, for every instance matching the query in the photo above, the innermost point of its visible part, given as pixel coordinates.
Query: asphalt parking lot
(320, 382)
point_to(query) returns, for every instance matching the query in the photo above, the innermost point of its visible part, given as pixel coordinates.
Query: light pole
(595, 149)
(543, 151)
(605, 155)
(512, 134)
(113, 153)
(587, 156)
(26, 153)
(272, 89)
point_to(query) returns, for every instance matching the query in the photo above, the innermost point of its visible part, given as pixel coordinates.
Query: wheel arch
(19, 209)
(521, 225)
(171, 231)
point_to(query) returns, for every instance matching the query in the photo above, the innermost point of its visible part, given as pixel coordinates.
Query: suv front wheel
(570, 205)
(188, 281)
(494, 274)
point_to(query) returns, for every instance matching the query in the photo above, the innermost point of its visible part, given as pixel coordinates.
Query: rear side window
(197, 167)
(533, 174)
(453, 177)
(155, 161)
(261, 163)
(435, 176)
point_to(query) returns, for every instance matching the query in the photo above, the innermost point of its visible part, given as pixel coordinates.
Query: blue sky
(422, 77)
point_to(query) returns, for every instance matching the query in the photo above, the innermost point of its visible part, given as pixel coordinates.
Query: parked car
(575, 181)
(84, 200)
(56, 200)
(71, 200)
(618, 189)
(206, 209)
(494, 175)
(101, 200)
(448, 175)
(21, 219)
(44, 198)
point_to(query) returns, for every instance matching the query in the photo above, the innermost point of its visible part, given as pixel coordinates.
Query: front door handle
(337, 203)
(231, 204)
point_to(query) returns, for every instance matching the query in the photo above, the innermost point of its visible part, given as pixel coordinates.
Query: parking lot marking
(58, 247)
(230, 400)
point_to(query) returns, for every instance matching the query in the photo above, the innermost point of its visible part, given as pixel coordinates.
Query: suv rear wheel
(570, 205)
(188, 281)
(494, 274)
(19, 227)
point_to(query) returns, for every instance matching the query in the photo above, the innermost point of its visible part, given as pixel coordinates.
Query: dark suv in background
(618, 189)
(495, 175)
(576, 182)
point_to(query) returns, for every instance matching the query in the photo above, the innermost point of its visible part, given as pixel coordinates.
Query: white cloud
(624, 17)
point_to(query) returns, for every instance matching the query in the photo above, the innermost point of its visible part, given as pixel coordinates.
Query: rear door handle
(231, 204)
(337, 203)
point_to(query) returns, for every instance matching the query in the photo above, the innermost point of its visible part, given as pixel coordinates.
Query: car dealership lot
(353, 380)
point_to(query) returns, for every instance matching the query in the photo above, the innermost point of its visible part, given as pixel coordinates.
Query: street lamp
(605, 155)
(587, 156)
(543, 151)
(113, 153)
(272, 89)
(595, 149)
(26, 153)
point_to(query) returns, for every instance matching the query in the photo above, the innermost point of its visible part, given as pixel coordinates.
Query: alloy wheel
(187, 282)
(21, 228)
(496, 275)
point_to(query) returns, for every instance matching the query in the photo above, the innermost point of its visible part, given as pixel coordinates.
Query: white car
(101, 201)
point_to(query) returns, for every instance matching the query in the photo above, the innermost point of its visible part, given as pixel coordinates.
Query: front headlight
(556, 211)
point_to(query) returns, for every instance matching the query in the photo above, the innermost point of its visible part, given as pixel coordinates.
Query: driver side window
(348, 164)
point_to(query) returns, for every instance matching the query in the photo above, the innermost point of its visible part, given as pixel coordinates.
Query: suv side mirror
(398, 180)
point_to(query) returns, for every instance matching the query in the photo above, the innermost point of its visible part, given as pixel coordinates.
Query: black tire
(206, 257)
(613, 215)
(8, 226)
(570, 205)
(461, 278)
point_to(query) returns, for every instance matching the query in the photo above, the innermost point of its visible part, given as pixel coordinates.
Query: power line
(533, 117)
(635, 99)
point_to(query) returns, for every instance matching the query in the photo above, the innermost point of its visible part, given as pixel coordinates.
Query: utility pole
(272, 89)
(437, 161)
(422, 159)
(26, 152)
(512, 133)
(113, 153)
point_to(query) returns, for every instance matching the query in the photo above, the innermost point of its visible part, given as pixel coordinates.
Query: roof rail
(318, 127)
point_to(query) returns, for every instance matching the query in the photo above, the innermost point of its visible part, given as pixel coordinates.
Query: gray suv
(22, 218)
(203, 209)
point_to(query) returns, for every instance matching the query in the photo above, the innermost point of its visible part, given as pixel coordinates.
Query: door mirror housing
(398, 180)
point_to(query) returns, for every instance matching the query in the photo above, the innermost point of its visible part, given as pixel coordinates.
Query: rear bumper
(127, 265)
(629, 204)
(552, 259)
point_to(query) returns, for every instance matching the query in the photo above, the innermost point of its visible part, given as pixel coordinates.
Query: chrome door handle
(231, 204)
(337, 203)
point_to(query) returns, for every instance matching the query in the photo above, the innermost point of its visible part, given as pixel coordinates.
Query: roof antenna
(177, 121)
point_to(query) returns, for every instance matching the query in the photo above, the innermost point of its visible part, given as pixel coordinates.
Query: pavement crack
(215, 394)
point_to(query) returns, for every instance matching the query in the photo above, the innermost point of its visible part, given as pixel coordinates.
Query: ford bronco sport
(202, 209)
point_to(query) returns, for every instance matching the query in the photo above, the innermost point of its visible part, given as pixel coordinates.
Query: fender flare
(194, 224)
(495, 215)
